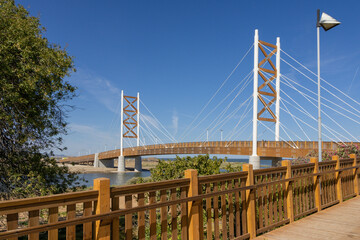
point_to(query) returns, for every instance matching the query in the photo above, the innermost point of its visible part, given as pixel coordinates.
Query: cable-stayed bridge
(280, 106)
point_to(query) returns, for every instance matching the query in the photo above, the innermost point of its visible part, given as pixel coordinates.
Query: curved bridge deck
(265, 149)
(337, 222)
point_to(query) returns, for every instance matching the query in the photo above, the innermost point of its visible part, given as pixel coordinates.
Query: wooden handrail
(146, 187)
(194, 198)
(27, 204)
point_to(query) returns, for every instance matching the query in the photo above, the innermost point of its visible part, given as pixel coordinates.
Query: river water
(122, 178)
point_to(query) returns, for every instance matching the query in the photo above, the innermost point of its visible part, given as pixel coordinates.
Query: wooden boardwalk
(338, 222)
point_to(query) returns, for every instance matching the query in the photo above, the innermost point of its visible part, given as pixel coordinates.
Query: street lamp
(326, 22)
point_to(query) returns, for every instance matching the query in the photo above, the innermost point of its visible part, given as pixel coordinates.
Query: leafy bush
(174, 169)
(343, 151)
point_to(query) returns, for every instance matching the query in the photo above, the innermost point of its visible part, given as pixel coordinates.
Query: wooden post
(289, 191)
(316, 183)
(194, 208)
(250, 201)
(102, 232)
(53, 218)
(356, 177)
(12, 223)
(338, 179)
(115, 204)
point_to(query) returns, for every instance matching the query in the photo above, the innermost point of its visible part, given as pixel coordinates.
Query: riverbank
(147, 164)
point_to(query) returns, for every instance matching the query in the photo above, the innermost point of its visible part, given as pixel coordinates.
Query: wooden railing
(238, 205)
(265, 149)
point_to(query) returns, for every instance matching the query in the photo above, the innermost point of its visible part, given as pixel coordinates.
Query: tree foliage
(33, 95)
(343, 151)
(174, 169)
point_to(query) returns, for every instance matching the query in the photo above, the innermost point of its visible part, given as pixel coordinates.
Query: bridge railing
(228, 206)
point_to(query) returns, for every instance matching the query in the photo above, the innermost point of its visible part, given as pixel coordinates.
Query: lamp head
(327, 22)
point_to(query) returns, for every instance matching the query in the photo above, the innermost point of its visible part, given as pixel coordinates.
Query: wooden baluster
(216, 213)
(250, 201)
(128, 218)
(70, 214)
(237, 210)
(102, 232)
(231, 211)
(87, 227)
(163, 215)
(271, 198)
(279, 200)
(223, 212)
(194, 208)
(115, 205)
(355, 174)
(12, 223)
(208, 214)
(243, 207)
(338, 179)
(141, 218)
(261, 202)
(289, 191)
(184, 217)
(33, 221)
(174, 231)
(53, 218)
(316, 184)
(266, 200)
(274, 198)
(152, 216)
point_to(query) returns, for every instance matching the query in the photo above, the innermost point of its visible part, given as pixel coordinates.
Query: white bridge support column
(121, 159)
(96, 160)
(254, 158)
(138, 161)
(121, 164)
(138, 164)
(277, 104)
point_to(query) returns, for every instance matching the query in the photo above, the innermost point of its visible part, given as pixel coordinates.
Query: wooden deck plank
(338, 222)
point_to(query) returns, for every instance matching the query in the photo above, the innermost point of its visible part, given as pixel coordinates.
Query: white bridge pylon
(130, 124)
(259, 91)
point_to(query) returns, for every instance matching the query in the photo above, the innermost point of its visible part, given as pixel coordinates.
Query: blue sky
(178, 53)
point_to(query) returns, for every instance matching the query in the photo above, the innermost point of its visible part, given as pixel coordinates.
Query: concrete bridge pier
(274, 160)
(103, 163)
(121, 164)
(255, 161)
(138, 164)
(96, 160)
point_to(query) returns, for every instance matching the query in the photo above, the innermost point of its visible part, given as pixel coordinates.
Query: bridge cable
(228, 106)
(223, 121)
(246, 79)
(287, 78)
(321, 78)
(224, 82)
(322, 87)
(169, 134)
(305, 96)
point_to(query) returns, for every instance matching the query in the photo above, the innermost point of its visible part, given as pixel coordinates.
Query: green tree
(33, 95)
(174, 169)
(343, 151)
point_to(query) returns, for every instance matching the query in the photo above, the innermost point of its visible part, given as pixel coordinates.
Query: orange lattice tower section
(131, 123)
(265, 91)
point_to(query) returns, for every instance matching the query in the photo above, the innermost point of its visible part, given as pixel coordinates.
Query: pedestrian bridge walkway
(338, 222)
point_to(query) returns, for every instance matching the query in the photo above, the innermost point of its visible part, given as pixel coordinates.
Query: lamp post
(326, 22)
